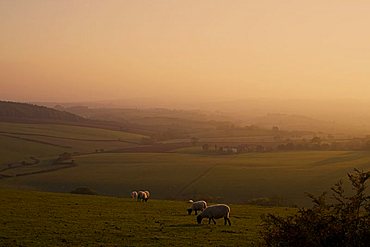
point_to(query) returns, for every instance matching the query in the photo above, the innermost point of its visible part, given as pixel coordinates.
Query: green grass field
(68, 131)
(278, 178)
(285, 176)
(13, 149)
(20, 141)
(31, 218)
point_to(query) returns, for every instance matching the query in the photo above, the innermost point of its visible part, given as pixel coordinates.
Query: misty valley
(103, 154)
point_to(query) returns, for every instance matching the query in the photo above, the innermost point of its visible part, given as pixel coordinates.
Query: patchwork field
(280, 178)
(67, 131)
(20, 141)
(113, 163)
(52, 219)
(272, 178)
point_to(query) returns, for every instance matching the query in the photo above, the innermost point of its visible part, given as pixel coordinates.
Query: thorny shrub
(345, 221)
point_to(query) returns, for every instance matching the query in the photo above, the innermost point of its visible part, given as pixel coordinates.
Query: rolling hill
(14, 111)
(280, 178)
(30, 218)
(19, 141)
(113, 162)
(165, 124)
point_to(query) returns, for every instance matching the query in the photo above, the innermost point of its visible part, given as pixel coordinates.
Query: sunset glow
(184, 50)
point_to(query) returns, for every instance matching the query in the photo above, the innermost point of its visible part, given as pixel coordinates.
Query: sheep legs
(227, 220)
(209, 221)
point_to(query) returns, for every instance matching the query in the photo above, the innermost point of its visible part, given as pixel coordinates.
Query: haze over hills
(210, 56)
(347, 116)
(352, 114)
(158, 123)
(184, 122)
(184, 155)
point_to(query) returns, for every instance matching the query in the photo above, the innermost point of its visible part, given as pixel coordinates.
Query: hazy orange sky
(186, 50)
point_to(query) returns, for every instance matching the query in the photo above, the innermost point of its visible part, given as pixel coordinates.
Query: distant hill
(27, 112)
(298, 122)
(31, 113)
(162, 123)
(157, 122)
(295, 122)
(338, 116)
(165, 124)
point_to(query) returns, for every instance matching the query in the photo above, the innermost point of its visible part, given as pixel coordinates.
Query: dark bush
(344, 222)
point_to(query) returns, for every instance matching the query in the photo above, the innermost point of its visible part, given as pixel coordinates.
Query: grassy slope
(229, 178)
(50, 219)
(68, 131)
(44, 140)
(15, 150)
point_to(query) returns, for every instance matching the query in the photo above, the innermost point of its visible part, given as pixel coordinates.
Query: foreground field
(276, 178)
(52, 219)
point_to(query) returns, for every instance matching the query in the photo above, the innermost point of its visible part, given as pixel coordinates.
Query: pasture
(280, 178)
(272, 178)
(68, 131)
(14, 149)
(173, 176)
(30, 218)
(19, 141)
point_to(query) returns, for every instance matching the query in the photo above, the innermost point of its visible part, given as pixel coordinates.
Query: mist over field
(266, 63)
(337, 116)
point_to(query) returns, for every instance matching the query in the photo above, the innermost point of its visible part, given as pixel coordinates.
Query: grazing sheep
(199, 205)
(147, 194)
(215, 212)
(142, 196)
(134, 195)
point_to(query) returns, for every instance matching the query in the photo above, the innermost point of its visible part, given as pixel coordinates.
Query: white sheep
(147, 195)
(134, 195)
(142, 196)
(215, 212)
(199, 205)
